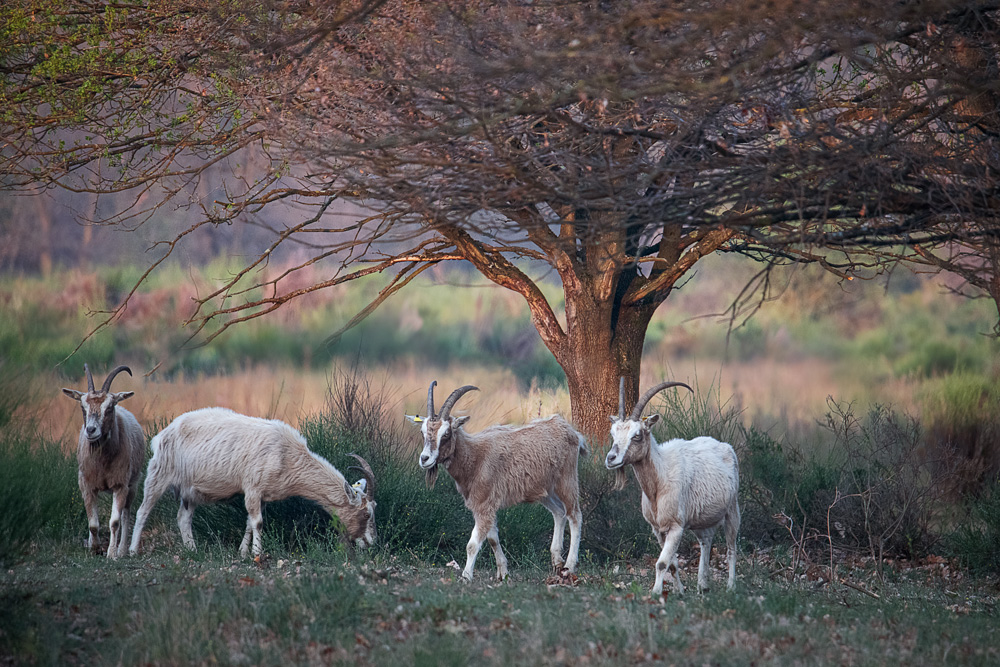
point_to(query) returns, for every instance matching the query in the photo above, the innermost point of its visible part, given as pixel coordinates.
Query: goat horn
(111, 376)
(366, 472)
(90, 379)
(455, 395)
(430, 400)
(621, 399)
(653, 391)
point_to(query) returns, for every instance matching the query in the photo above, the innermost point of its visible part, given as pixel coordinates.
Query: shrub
(874, 490)
(888, 489)
(37, 481)
(963, 427)
(613, 525)
(976, 541)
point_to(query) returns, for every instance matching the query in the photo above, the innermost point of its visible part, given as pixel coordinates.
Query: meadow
(864, 418)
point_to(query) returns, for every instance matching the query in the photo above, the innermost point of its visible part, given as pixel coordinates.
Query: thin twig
(860, 589)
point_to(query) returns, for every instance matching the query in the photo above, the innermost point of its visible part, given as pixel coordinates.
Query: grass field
(329, 607)
(309, 601)
(865, 424)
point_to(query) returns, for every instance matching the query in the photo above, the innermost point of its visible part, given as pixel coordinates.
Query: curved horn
(653, 391)
(455, 395)
(90, 378)
(430, 400)
(621, 399)
(111, 376)
(366, 472)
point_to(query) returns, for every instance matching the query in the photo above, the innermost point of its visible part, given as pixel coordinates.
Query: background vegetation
(856, 545)
(891, 510)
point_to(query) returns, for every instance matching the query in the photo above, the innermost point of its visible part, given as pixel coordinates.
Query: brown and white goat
(110, 452)
(211, 454)
(503, 466)
(686, 484)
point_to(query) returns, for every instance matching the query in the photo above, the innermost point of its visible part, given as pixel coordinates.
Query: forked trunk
(596, 356)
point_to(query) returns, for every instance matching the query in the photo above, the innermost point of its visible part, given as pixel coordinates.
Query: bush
(37, 481)
(976, 542)
(875, 491)
(888, 490)
(963, 428)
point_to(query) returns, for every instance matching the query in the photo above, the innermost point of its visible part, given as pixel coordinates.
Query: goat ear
(416, 419)
(613, 418)
(73, 393)
(458, 421)
(353, 497)
(122, 395)
(651, 419)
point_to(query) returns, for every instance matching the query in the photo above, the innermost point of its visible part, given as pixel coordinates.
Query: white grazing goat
(210, 454)
(685, 484)
(503, 466)
(110, 453)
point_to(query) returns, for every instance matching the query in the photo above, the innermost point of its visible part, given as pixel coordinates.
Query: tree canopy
(617, 143)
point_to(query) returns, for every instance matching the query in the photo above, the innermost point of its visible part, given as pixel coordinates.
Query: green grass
(439, 323)
(38, 492)
(312, 600)
(908, 329)
(332, 607)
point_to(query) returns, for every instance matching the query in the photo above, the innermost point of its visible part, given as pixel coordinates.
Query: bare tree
(614, 144)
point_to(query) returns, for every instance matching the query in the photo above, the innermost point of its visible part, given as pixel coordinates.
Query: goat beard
(431, 476)
(621, 479)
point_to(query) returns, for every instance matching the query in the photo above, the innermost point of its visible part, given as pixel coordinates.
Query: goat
(685, 484)
(210, 454)
(503, 466)
(110, 453)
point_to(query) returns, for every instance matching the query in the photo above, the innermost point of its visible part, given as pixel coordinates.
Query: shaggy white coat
(686, 484)
(214, 453)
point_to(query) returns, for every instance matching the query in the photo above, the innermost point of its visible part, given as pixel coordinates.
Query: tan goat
(111, 452)
(503, 466)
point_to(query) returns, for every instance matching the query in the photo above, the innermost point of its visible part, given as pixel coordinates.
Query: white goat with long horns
(503, 466)
(686, 484)
(110, 453)
(214, 453)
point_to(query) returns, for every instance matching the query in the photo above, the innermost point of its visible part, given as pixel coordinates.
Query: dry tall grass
(792, 391)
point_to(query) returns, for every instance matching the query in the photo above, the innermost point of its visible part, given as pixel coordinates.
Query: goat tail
(154, 444)
(582, 443)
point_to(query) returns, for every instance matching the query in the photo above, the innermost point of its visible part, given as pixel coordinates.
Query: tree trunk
(44, 238)
(597, 352)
